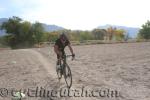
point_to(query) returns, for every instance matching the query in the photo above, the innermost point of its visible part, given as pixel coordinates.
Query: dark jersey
(60, 45)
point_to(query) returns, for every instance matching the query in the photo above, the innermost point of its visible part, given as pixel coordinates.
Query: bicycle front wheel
(68, 75)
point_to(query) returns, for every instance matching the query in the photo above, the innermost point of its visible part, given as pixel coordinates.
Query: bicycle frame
(65, 71)
(65, 57)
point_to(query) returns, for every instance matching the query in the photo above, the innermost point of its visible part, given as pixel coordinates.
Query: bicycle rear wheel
(68, 75)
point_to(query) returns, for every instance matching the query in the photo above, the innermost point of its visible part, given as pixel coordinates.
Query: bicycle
(65, 71)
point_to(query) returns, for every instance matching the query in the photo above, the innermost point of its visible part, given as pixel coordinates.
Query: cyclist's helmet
(63, 37)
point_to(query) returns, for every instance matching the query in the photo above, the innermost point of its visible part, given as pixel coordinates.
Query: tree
(119, 34)
(53, 36)
(22, 33)
(12, 27)
(98, 34)
(38, 32)
(110, 33)
(25, 32)
(144, 33)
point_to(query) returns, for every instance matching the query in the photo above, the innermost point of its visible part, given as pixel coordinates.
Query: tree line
(26, 34)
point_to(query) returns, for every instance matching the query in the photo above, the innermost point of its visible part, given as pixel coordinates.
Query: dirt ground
(100, 72)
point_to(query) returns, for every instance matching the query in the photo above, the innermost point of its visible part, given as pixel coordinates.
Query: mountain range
(131, 31)
(50, 28)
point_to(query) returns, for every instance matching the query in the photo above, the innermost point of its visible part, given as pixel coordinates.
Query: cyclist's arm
(56, 50)
(70, 48)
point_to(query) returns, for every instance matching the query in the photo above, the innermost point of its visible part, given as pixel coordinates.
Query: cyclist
(59, 47)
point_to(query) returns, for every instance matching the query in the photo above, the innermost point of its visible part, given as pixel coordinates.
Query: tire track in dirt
(47, 65)
(54, 85)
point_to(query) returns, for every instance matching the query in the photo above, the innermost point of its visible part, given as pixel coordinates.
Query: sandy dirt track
(100, 72)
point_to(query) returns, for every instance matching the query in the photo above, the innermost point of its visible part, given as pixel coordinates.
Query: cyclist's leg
(58, 63)
(58, 68)
(59, 58)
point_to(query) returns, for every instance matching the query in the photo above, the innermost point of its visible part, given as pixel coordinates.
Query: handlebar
(69, 56)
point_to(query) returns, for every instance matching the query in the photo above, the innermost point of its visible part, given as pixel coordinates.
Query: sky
(79, 14)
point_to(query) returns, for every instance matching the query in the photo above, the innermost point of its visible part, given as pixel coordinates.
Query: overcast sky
(79, 14)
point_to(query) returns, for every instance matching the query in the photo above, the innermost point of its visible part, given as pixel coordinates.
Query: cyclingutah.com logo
(62, 92)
